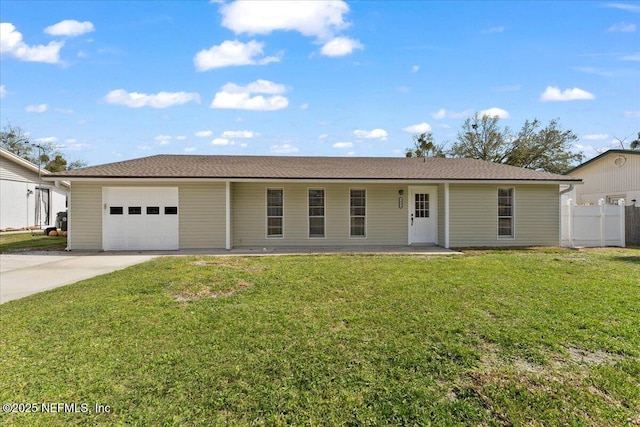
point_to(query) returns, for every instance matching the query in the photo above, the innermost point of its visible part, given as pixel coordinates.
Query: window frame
(267, 216)
(323, 216)
(366, 209)
(512, 216)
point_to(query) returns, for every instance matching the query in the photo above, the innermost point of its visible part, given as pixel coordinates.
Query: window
(153, 210)
(171, 210)
(135, 210)
(275, 212)
(505, 212)
(316, 212)
(115, 210)
(614, 200)
(421, 209)
(358, 212)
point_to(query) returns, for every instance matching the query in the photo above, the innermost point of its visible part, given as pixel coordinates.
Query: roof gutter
(565, 191)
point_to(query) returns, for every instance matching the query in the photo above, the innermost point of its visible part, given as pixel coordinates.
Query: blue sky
(114, 80)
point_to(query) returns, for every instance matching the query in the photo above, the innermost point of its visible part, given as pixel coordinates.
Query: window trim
(266, 214)
(324, 217)
(512, 236)
(366, 210)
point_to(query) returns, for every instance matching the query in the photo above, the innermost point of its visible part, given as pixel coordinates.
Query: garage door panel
(143, 223)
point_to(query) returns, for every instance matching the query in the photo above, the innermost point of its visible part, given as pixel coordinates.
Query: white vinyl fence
(593, 226)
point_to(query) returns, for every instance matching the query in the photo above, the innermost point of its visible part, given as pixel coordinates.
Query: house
(613, 175)
(26, 199)
(173, 202)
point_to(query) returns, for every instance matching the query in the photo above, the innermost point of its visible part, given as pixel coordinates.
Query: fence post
(570, 221)
(621, 205)
(601, 204)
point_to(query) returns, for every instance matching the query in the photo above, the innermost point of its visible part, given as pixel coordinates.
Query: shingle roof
(280, 167)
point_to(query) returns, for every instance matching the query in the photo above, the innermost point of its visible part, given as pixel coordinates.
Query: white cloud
(238, 134)
(3, 92)
(555, 94)
(622, 27)
(232, 53)
(47, 140)
(163, 139)
(321, 19)
(40, 108)
(181, 137)
(494, 30)
(419, 128)
(70, 28)
(415, 68)
(343, 145)
(588, 150)
(221, 141)
(237, 97)
(159, 100)
(244, 145)
(283, 149)
(323, 136)
(372, 134)
(623, 6)
(189, 149)
(446, 114)
(11, 43)
(495, 112)
(632, 114)
(304, 106)
(72, 144)
(596, 137)
(203, 133)
(632, 57)
(340, 46)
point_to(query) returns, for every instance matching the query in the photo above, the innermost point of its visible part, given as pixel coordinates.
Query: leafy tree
(482, 138)
(424, 146)
(533, 147)
(635, 144)
(16, 140)
(547, 149)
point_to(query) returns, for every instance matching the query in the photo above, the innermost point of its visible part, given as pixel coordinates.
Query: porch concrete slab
(28, 273)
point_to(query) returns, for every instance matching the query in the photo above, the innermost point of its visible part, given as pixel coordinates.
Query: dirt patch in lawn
(211, 292)
(239, 264)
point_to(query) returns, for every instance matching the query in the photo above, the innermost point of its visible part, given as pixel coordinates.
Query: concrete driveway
(23, 274)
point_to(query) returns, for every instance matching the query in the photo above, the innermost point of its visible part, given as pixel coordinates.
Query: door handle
(412, 220)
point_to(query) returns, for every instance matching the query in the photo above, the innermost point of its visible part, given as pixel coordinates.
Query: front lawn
(20, 242)
(531, 337)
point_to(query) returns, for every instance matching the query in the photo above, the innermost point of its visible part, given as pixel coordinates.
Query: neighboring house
(26, 200)
(613, 175)
(186, 202)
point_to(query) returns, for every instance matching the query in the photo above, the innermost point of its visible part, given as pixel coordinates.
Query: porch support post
(446, 215)
(227, 214)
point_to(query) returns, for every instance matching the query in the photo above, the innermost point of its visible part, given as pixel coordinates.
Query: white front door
(423, 209)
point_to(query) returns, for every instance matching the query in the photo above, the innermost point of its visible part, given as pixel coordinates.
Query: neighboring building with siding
(613, 175)
(224, 202)
(26, 201)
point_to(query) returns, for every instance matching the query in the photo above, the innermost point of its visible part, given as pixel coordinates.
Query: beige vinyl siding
(85, 216)
(12, 171)
(201, 213)
(386, 223)
(474, 217)
(604, 178)
(441, 217)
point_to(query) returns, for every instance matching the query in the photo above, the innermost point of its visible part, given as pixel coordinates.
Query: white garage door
(140, 218)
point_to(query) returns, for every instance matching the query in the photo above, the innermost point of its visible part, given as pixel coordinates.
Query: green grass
(20, 242)
(531, 337)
